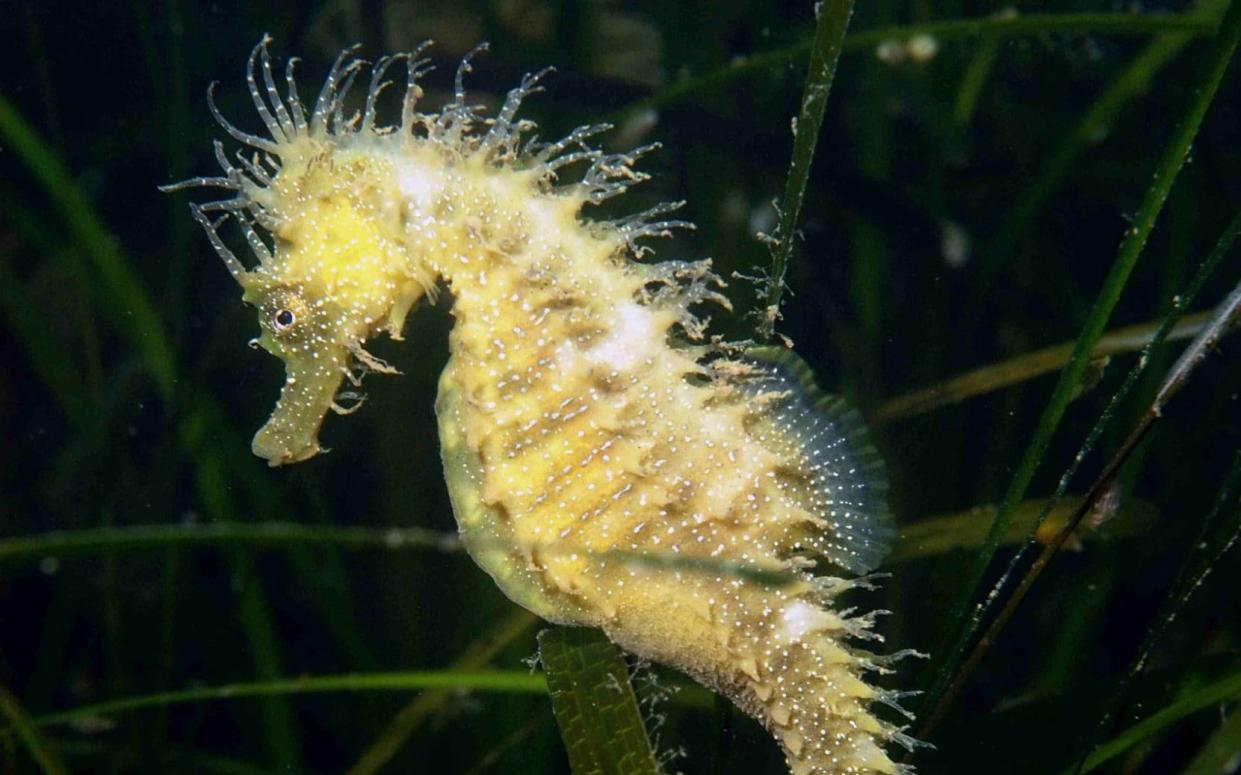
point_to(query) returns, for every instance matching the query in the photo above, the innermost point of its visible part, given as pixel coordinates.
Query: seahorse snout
(291, 434)
(278, 448)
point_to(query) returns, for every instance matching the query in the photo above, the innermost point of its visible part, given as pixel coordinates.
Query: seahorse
(587, 420)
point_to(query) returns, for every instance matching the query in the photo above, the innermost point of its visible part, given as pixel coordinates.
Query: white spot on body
(800, 619)
(631, 334)
(418, 185)
(547, 221)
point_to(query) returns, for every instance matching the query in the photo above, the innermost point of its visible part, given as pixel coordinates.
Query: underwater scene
(522, 386)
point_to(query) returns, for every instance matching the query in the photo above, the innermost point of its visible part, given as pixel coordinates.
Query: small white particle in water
(954, 242)
(922, 48)
(890, 52)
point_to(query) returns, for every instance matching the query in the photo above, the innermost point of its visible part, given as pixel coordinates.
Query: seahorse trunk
(605, 477)
(773, 650)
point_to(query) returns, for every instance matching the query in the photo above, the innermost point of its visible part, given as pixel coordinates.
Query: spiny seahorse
(585, 416)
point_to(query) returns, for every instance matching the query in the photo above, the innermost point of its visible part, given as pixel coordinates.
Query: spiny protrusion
(643, 224)
(500, 143)
(333, 90)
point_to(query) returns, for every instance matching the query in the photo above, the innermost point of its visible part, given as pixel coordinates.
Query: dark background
(883, 300)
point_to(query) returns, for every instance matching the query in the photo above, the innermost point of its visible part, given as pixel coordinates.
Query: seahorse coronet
(610, 463)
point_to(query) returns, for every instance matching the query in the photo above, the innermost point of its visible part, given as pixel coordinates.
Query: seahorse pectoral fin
(291, 434)
(843, 478)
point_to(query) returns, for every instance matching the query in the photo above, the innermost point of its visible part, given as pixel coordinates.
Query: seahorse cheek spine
(586, 423)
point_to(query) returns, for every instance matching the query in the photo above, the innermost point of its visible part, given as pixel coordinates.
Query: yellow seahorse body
(589, 431)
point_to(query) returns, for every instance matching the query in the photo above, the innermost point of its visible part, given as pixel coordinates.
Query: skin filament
(585, 416)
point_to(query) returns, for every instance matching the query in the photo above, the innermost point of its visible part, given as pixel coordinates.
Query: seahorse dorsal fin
(846, 484)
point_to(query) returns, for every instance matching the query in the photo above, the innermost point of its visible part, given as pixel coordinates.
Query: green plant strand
(27, 731)
(975, 78)
(194, 761)
(1133, 81)
(50, 361)
(282, 733)
(1187, 581)
(1134, 241)
(829, 35)
(963, 530)
(1180, 372)
(995, 376)
(1212, 694)
(130, 308)
(488, 763)
(1040, 24)
(1194, 23)
(476, 656)
(594, 703)
(501, 681)
(1219, 749)
(220, 535)
(235, 535)
(929, 537)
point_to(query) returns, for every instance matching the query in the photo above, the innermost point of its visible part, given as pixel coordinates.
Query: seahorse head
(332, 268)
(353, 222)
(335, 279)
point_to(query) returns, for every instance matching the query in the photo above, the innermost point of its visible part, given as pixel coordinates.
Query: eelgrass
(269, 558)
(1132, 244)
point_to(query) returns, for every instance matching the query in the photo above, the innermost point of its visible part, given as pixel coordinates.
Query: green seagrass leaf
(594, 703)
(966, 529)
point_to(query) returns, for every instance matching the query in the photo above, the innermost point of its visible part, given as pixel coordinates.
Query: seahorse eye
(284, 313)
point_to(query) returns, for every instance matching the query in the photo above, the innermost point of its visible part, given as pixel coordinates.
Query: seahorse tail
(807, 684)
(816, 700)
(780, 656)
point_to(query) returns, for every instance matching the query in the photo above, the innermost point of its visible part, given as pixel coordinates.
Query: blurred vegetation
(169, 603)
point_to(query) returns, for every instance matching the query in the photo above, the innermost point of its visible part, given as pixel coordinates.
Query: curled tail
(816, 700)
(782, 656)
